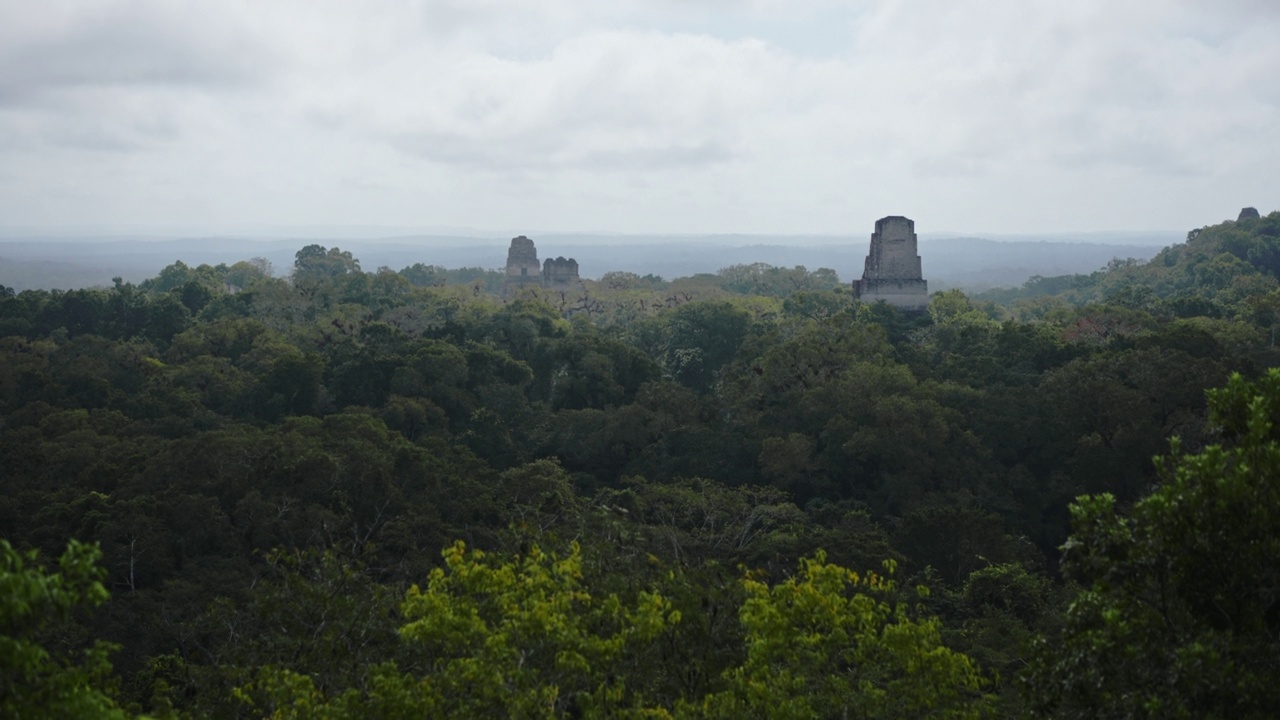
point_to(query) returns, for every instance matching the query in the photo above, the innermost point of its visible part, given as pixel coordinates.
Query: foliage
(519, 638)
(1178, 615)
(828, 643)
(1206, 275)
(35, 682)
(526, 637)
(762, 279)
(268, 462)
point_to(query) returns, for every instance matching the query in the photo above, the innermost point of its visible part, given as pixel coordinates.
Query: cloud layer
(712, 116)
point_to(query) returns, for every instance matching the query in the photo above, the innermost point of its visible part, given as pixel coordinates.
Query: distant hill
(972, 264)
(1218, 270)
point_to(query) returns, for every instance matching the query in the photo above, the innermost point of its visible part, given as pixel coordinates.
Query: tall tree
(1180, 611)
(828, 643)
(35, 682)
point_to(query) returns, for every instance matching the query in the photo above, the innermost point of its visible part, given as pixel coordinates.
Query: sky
(638, 116)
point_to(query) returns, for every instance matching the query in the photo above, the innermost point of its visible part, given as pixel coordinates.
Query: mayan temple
(524, 271)
(892, 271)
(523, 268)
(560, 274)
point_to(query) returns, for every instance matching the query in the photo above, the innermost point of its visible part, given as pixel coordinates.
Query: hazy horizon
(374, 233)
(964, 262)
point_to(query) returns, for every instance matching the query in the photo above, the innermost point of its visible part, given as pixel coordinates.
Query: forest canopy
(355, 493)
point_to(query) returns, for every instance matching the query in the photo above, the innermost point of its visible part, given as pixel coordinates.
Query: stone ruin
(560, 274)
(522, 265)
(892, 271)
(523, 269)
(1249, 213)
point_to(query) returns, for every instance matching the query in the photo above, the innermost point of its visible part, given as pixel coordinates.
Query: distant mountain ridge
(965, 262)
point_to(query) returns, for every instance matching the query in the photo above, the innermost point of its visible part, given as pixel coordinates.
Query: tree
(954, 540)
(1179, 615)
(420, 275)
(829, 643)
(704, 336)
(764, 279)
(818, 304)
(518, 637)
(318, 274)
(245, 273)
(522, 637)
(592, 370)
(170, 278)
(33, 681)
(315, 260)
(322, 612)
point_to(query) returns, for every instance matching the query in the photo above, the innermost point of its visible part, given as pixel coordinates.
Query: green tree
(318, 274)
(245, 273)
(421, 275)
(34, 682)
(522, 637)
(818, 304)
(322, 613)
(1180, 611)
(704, 337)
(828, 643)
(526, 637)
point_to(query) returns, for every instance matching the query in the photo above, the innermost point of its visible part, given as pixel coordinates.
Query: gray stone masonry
(524, 271)
(522, 265)
(560, 274)
(892, 271)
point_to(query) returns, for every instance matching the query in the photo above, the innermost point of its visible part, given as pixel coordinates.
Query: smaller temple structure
(524, 271)
(892, 272)
(560, 274)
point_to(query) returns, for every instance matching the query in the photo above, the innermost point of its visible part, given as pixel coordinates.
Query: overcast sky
(697, 116)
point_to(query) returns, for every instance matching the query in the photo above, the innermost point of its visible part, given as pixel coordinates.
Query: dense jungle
(345, 493)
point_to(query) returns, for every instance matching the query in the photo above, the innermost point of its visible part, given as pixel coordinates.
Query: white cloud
(654, 115)
(607, 101)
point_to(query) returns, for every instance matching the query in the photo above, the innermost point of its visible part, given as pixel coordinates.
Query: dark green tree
(35, 682)
(1179, 615)
(704, 337)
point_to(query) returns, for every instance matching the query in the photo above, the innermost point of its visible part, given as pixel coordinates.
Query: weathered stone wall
(892, 270)
(523, 268)
(559, 273)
